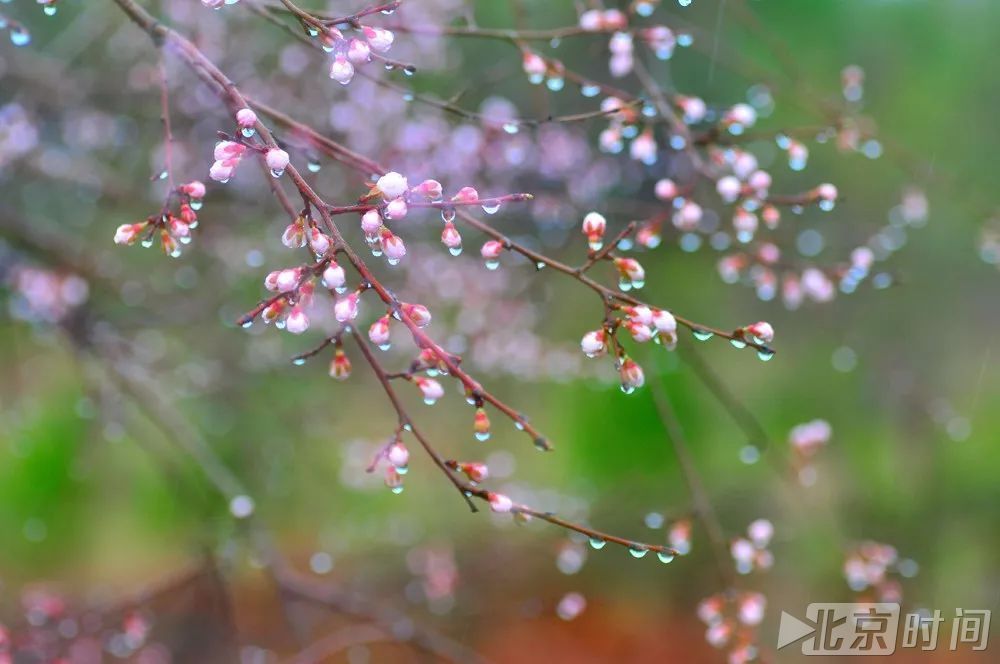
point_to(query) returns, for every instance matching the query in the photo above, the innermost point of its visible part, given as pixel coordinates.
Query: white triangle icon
(792, 629)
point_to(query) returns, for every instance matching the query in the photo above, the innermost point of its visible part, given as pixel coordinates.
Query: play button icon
(792, 629)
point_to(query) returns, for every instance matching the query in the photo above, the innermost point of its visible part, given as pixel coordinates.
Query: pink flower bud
(466, 195)
(358, 51)
(294, 235)
(743, 551)
(640, 314)
(594, 226)
(378, 333)
(194, 189)
(593, 343)
(826, 192)
(744, 221)
(632, 376)
(418, 313)
(534, 65)
(614, 19)
(500, 503)
(246, 118)
(128, 233)
(450, 236)
(297, 321)
(340, 367)
(346, 308)
(430, 388)
(271, 280)
(396, 209)
(666, 189)
(621, 43)
(475, 471)
(760, 531)
(491, 249)
(760, 181)
(643, 148)
(630, 269)
(761, 331)
(398, 455)
(277, 160)
(225, 150)
(741, 114)
(222, 171)
(694, 109)
(430, 189)
(664, 321)
(380, 40)
(591, 20)
(288, 280)
(640, 332)
(771, 216)
(319, 242)
(341, 70)
(179, 227)
(729, 188)
(333, 276)
(393, 247)
(371, 223)
(392, 185)
(688, 217)
(751, 609)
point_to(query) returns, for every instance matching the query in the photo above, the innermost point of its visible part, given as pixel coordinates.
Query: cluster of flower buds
(303, 231)
(731, 620)
(798, 153)
(631, 273)
(739, 118)
(174, 230)
(624, 124)
(751, 552)
(398, 196)
(868, 567)
(228, 154)
(760, 333)
(351, 52)
(475, 471)
(294, 287)
(806, 440)
(540, 69)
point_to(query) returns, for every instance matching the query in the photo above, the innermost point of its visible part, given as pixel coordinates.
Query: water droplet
(491, 207)
(196, 204)
(50, 10)
(597, 543)
(702, 335)
(511, 127)
(455, 251)
(555, 83)
(589, 90)
(765, 354)
(665, 557)
(627, 389)
(299, 361)
(313, 166)
(384, 347)
(539, 265)
(750, 454)
(492, 264)
(541, 444)
(409, 70)
(482, 436)
(638, 551)
(247, 324)
(684, 3)
(392, 261)
(448, 214)
(638, 283)
(277, 173)
(430, 401)
(738, 343)
(402, 470)
(397, 490)
(147, 242)
(625, 284)
(248, 132)
(20, 37)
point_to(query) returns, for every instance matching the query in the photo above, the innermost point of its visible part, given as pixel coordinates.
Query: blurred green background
(913, 461)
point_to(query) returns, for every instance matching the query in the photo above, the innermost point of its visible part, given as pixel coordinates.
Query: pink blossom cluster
(731, 620)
